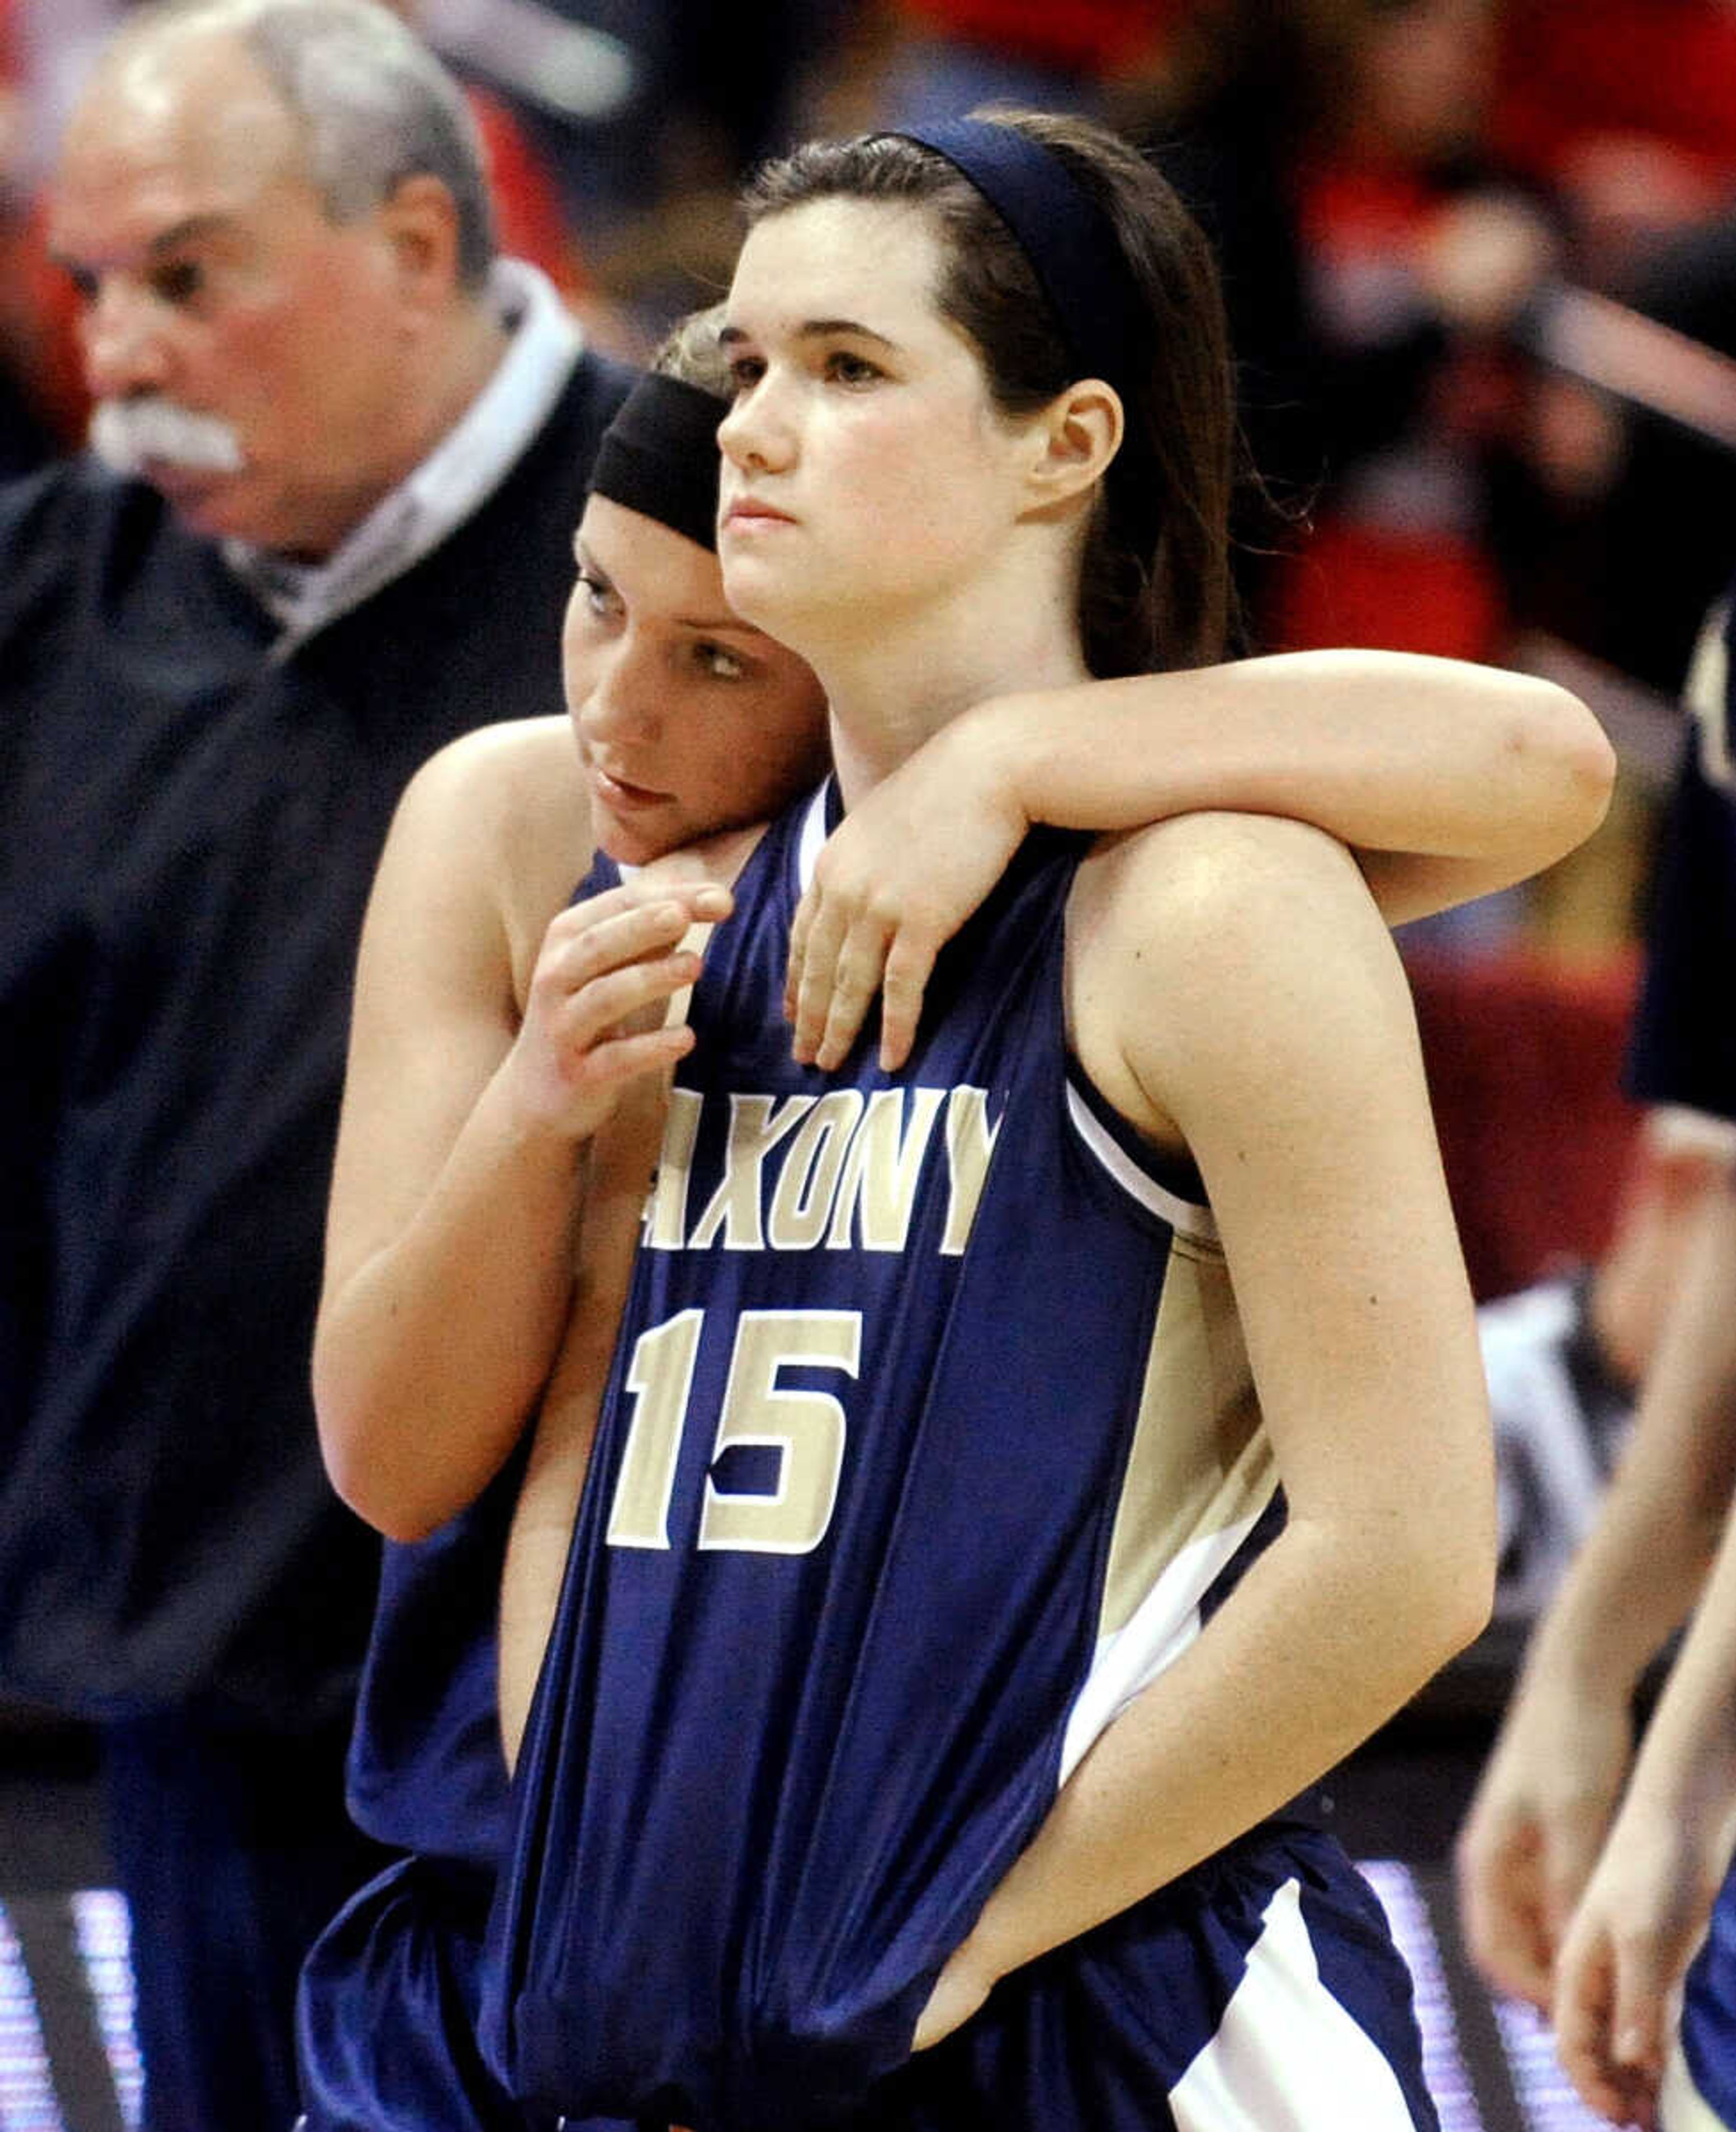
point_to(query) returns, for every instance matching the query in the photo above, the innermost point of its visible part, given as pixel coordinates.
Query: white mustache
(126, 434)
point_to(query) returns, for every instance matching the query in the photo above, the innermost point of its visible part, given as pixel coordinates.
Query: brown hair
(1155, 586)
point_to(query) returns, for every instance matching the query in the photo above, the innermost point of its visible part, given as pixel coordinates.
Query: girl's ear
(1076, 436)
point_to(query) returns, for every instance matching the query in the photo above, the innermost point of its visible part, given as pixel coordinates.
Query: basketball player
(945, 1613)
(666, 683)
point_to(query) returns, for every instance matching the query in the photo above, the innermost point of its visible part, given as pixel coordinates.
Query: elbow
(1557, 737)
(363, 1480)
(1470, 1608)
(1450, 1586)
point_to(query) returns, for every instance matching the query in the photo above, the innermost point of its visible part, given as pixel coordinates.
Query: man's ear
(420, 223)
(1077, 435)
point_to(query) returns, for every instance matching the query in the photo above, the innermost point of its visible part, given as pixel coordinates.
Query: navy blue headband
(659, 456)
(1062, 231)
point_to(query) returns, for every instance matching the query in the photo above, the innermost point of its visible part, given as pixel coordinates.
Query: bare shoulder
(503, 781)
(1206, 869)
(1212, 948)
(499, 816)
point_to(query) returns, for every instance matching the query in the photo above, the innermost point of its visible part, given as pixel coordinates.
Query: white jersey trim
(813, 836)
(1160, 1628)
(1287, 2056)
(1186, 1218)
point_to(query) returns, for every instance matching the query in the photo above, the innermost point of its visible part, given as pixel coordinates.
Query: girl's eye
(718, 663)
(600, 598)
(849, 369)
(745, 372)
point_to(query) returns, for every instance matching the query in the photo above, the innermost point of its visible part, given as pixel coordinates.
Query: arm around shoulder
(1449, 779)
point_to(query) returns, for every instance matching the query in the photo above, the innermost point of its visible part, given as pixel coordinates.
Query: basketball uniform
(385, 2013)
(929, 1442)
(1685, 1052)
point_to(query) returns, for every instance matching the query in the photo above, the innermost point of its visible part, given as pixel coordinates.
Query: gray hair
(375, 104)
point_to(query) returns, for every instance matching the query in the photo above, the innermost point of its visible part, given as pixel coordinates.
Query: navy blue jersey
(929, 1439)
(426, 1770)
(1684, 1047)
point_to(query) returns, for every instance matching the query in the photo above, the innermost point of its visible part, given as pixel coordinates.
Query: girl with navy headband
(1037, 1446)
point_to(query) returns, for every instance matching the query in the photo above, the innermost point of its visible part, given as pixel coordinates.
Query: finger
(1516, 1955)
(909, 962)
(636, 891)
(1501, 1908)
(703, 901)
(575, 959)
(799, 928)
(854, 982)
(1636, 2012)
(1582, 2009)
(825, 942)
(622, 1059)
(601, 1007)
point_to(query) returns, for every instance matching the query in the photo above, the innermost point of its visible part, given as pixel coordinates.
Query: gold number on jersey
(804, 1427)
(660, 1379)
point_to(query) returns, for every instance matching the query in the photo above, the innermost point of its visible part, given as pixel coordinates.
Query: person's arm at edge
(457, 1182)
(1629, 1940)
(1449, 779)
(1543, 1805)
(1285, 1051)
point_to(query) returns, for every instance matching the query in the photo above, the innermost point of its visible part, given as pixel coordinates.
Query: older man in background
(341, 449)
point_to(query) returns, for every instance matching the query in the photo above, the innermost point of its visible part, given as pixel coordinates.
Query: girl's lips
(745, 512)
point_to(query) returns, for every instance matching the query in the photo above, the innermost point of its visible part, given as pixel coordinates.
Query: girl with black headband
(963, 1579)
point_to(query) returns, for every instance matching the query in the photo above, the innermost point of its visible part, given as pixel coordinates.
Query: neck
(892, 682)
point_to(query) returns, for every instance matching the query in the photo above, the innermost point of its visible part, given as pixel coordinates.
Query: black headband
(1063, 232)
(659, 456)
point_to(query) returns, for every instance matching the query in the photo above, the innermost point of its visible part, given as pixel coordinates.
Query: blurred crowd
(1410, 197)
(1480, 257)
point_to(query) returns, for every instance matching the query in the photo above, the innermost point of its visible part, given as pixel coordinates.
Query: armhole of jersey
(1172, 1191)
(824, 811)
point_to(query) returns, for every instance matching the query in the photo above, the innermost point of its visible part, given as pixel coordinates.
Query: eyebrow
(701, 625)
(812, 329)
(189, 230)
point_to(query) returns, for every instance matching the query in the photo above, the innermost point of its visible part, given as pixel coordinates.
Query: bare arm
(1644, 1910)
(455, 1193)
(1232, 979)
(1544, 1802)
(1449, 779)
